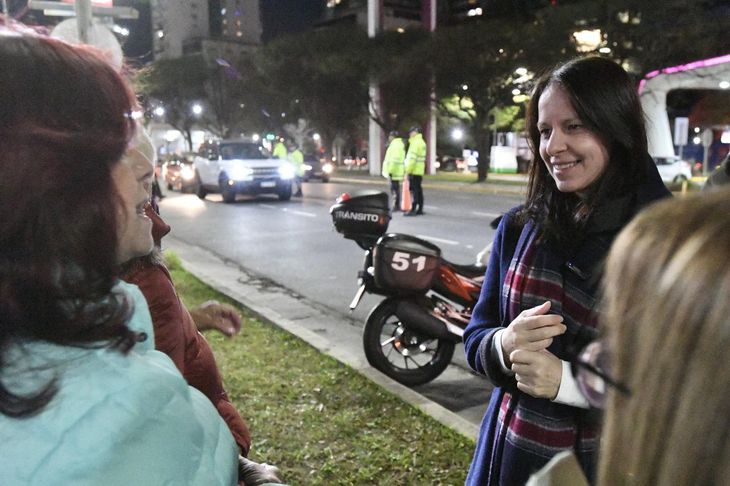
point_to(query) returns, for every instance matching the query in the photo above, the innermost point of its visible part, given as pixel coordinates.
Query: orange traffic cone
(405, 196)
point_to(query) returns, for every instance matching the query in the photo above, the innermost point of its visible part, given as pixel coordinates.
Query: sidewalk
(515, 184)
(335, 335)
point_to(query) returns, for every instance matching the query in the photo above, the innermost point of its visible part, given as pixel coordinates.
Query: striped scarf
(533, 430)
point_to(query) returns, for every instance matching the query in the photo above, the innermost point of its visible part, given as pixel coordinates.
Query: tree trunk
(188, 139)
(484, 145)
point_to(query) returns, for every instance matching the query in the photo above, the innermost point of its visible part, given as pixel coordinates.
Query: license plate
(268, 184)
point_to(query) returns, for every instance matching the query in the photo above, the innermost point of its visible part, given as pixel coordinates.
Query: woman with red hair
(84, 397)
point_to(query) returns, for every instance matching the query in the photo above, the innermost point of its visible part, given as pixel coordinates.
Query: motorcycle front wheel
(394, 348)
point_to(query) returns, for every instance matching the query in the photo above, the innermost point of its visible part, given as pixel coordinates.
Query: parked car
(351, 162)
(673, 169)
(316, 168)
(178, 172)
(230, 167)
(448, 163)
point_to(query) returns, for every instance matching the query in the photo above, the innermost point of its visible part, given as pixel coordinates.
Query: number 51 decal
(402, 261)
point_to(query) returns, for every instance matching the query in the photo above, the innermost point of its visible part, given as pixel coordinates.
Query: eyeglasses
(591, 371)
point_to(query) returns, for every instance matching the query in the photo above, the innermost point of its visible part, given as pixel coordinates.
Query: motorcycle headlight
(327, 168)
(286, 171)
(187, 173)
(307, 167)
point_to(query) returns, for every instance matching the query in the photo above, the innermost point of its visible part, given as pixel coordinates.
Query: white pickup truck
(230, 167)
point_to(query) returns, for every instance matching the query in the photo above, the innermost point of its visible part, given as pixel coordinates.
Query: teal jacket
(116, 419)
(416, 156)
(393, 163)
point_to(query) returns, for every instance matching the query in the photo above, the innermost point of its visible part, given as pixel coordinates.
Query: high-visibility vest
(393, 163)
(296, 157)
(416, 156)
(279, 151)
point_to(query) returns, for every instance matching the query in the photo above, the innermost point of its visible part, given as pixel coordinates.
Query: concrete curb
(304, 320)
(486, 188)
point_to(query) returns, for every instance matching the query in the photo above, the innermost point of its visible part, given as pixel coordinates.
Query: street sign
(99, 36)
(681, 129)
(707, 137)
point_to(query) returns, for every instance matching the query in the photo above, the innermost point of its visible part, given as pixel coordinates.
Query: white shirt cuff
(568, 392)
(497, 343)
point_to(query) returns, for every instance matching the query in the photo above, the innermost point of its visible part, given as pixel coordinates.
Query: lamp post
(457, 135)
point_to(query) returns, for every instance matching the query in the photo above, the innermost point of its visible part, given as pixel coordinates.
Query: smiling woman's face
(132, 177)
(574, 155)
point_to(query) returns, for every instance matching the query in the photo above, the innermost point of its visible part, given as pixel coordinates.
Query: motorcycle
(411, 334)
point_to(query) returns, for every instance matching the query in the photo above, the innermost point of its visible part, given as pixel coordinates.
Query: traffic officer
(394, 167)
(279, 151)
(296, 157)
(415, 168)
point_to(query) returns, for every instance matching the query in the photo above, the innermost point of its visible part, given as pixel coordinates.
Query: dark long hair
(607, 102)
(65, 121)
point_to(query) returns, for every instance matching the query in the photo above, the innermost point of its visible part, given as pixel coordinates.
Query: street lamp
(159, 111)
(587, 40)
(197, 109)
(457, 134)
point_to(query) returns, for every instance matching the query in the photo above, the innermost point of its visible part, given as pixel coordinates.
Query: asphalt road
(293, 245)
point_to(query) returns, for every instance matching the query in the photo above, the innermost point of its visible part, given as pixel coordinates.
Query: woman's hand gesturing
(532, 330)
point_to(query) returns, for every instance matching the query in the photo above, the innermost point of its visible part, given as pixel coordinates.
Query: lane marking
(299, 213)
(488, 215)
(268, 206)
(440, 240)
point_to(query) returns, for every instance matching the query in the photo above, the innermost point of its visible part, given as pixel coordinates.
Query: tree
(478, 65)
(311, 80)
(397, 64)
(176, 83)
(645, 35)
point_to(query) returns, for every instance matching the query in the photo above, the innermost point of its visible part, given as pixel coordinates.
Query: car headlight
(187, 173)
(240, 173)
(286, 171)
(327, 168)
(307, 167)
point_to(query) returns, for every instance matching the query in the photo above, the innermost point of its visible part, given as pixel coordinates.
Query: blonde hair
(667, 319)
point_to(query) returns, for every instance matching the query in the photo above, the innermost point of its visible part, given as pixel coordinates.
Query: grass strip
(318, 420)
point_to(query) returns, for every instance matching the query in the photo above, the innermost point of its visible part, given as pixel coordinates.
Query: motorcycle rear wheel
(401, 353)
